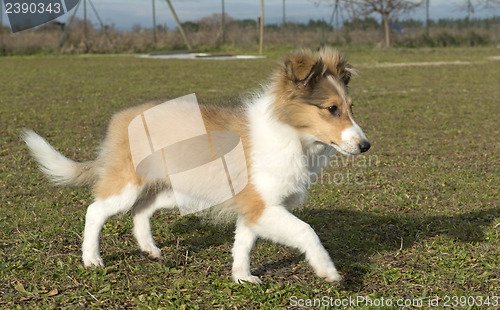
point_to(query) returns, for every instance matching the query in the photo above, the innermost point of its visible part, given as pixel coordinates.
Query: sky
(124, 14)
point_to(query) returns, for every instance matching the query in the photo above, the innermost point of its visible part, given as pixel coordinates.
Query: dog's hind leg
(142, 212)
(97, 214)
(277, 224)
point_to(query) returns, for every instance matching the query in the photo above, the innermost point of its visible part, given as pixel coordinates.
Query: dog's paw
(247, 278)
(334, 277)
(331, 275)
(92, 261)
(152, 252)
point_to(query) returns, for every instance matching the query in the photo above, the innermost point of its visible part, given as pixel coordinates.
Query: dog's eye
(333, 109)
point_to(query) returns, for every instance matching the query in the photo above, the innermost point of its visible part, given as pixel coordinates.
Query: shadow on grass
(352, 237)
(200, 233)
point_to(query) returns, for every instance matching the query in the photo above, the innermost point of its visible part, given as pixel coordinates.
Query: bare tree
(481, 4)
(386, 9)
(490, 3)
(347, 6)
(472, 5)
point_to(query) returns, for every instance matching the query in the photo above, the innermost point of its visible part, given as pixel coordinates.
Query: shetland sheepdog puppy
(304, 112)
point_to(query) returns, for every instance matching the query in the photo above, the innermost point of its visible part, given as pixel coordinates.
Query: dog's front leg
(244, 240)
(277, 224)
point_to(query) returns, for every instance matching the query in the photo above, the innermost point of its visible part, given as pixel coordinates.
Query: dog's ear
(337, 64)
(304, 69)
(347, 73)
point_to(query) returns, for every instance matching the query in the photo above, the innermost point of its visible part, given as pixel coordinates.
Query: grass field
(420, 221)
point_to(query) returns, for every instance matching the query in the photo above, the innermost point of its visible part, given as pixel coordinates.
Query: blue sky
(126, 13)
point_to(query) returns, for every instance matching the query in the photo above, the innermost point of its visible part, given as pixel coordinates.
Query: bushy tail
(60, 169)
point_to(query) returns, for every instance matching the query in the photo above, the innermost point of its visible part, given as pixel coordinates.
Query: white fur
(280, 169)
(60, 169)
(102, 209)
(97, 214)
(350, 137)
(278, 165)
(143, 210)
(279, 225)
(244, 241)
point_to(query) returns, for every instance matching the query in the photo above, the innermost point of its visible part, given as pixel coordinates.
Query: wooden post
(154, 23)
(496, 37)
(66, 27)
(261, 40)
(470, 10)
(85, 22)
(103, 28)
(223, 23)
(179, 26)
(1, 27)
(427, 16)
(284, 15)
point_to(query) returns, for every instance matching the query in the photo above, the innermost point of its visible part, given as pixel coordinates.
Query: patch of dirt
(425, 63)
(416, 64)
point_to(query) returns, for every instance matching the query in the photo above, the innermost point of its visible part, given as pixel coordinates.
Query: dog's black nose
(364, 146)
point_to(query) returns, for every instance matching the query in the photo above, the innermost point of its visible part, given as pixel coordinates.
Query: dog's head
(313, 97)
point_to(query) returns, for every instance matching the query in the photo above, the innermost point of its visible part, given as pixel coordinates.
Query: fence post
(85, 23)
(223, 23)
(496, 37)
(179, 26)
(1, 26)
(154, 23)
(261, 40)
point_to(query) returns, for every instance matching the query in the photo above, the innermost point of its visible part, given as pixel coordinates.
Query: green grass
(424, 223)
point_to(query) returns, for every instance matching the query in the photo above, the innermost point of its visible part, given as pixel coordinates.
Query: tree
(387, 9)
(471, 5)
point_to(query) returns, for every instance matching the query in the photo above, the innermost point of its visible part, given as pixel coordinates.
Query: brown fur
(116, 169)
(250, 204)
